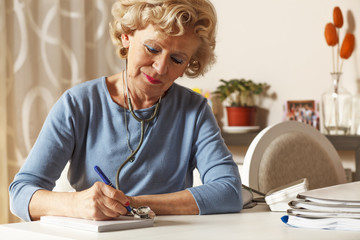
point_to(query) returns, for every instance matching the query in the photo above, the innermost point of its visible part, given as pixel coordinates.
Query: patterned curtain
(46, 47)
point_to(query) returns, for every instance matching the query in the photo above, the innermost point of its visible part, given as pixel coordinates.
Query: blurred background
(47, 46)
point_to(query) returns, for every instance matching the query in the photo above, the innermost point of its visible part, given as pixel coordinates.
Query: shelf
(239, 139)
(340, 142)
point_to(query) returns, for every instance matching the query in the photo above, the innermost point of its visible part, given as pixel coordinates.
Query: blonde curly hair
(173, 17)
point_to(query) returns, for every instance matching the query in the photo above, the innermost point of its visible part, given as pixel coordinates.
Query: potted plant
(239, 95)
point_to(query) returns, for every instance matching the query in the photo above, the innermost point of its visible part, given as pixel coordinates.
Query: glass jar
(355, 128)
(336, 106)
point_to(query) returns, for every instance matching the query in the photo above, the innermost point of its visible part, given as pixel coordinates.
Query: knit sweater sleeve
(221, 189)
(47, 159)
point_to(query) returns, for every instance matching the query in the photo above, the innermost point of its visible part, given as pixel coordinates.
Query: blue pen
(103, 176)
(107, 182)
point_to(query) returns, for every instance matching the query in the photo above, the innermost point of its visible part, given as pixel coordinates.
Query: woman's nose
(161, 64)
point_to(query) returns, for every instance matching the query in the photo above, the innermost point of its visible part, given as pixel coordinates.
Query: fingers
(114, 194)
(114, 201)
(101, 202)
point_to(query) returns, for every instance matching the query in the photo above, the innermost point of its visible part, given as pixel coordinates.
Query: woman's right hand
(100, 202)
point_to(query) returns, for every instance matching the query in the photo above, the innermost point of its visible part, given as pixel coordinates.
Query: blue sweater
(87, 128)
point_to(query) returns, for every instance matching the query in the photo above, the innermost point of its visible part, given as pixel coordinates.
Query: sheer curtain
(46, 46)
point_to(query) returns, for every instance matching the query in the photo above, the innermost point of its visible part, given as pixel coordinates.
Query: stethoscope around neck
(142, 123)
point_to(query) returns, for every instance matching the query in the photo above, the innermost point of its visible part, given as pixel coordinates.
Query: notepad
(345, 224)
(335, 207)
(307, 213)
(121, 223)
(347, 194)
(315, 206)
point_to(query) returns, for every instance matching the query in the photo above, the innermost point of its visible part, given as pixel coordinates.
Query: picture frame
(306, 111)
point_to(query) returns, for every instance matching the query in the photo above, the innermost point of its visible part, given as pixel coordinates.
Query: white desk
(257, 223)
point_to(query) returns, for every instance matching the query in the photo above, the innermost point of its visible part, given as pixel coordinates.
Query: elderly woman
(144, 131)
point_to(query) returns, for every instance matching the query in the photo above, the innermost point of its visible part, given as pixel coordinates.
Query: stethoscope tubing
(131, 155)
(142, 122)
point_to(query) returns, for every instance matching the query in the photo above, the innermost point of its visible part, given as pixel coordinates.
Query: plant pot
(241, 116)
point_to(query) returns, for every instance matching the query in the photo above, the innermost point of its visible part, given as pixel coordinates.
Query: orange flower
(331, 35)
(347, 46)
(338, 17)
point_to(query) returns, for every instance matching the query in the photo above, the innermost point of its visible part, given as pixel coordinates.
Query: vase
(355, 123)
(336, 106)
(241, 116)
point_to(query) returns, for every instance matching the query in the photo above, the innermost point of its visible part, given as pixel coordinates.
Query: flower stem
(338, 49)
(333, 58)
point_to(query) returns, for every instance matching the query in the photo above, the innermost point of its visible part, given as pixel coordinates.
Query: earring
(123, 52)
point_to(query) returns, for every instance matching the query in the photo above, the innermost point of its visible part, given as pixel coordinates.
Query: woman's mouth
(152, 80)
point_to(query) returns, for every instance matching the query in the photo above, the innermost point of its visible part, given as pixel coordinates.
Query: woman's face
(156, 60)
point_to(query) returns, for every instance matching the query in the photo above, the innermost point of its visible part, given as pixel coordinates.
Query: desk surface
(256, 223)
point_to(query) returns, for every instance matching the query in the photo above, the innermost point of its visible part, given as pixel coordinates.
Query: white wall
(281, 42)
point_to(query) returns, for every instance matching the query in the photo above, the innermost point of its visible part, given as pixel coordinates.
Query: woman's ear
(125, 40)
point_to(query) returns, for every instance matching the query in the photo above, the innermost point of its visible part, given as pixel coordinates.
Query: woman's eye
(177, 60)
(151, 49)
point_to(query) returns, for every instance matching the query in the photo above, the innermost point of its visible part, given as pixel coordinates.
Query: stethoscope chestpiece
(144, 212)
